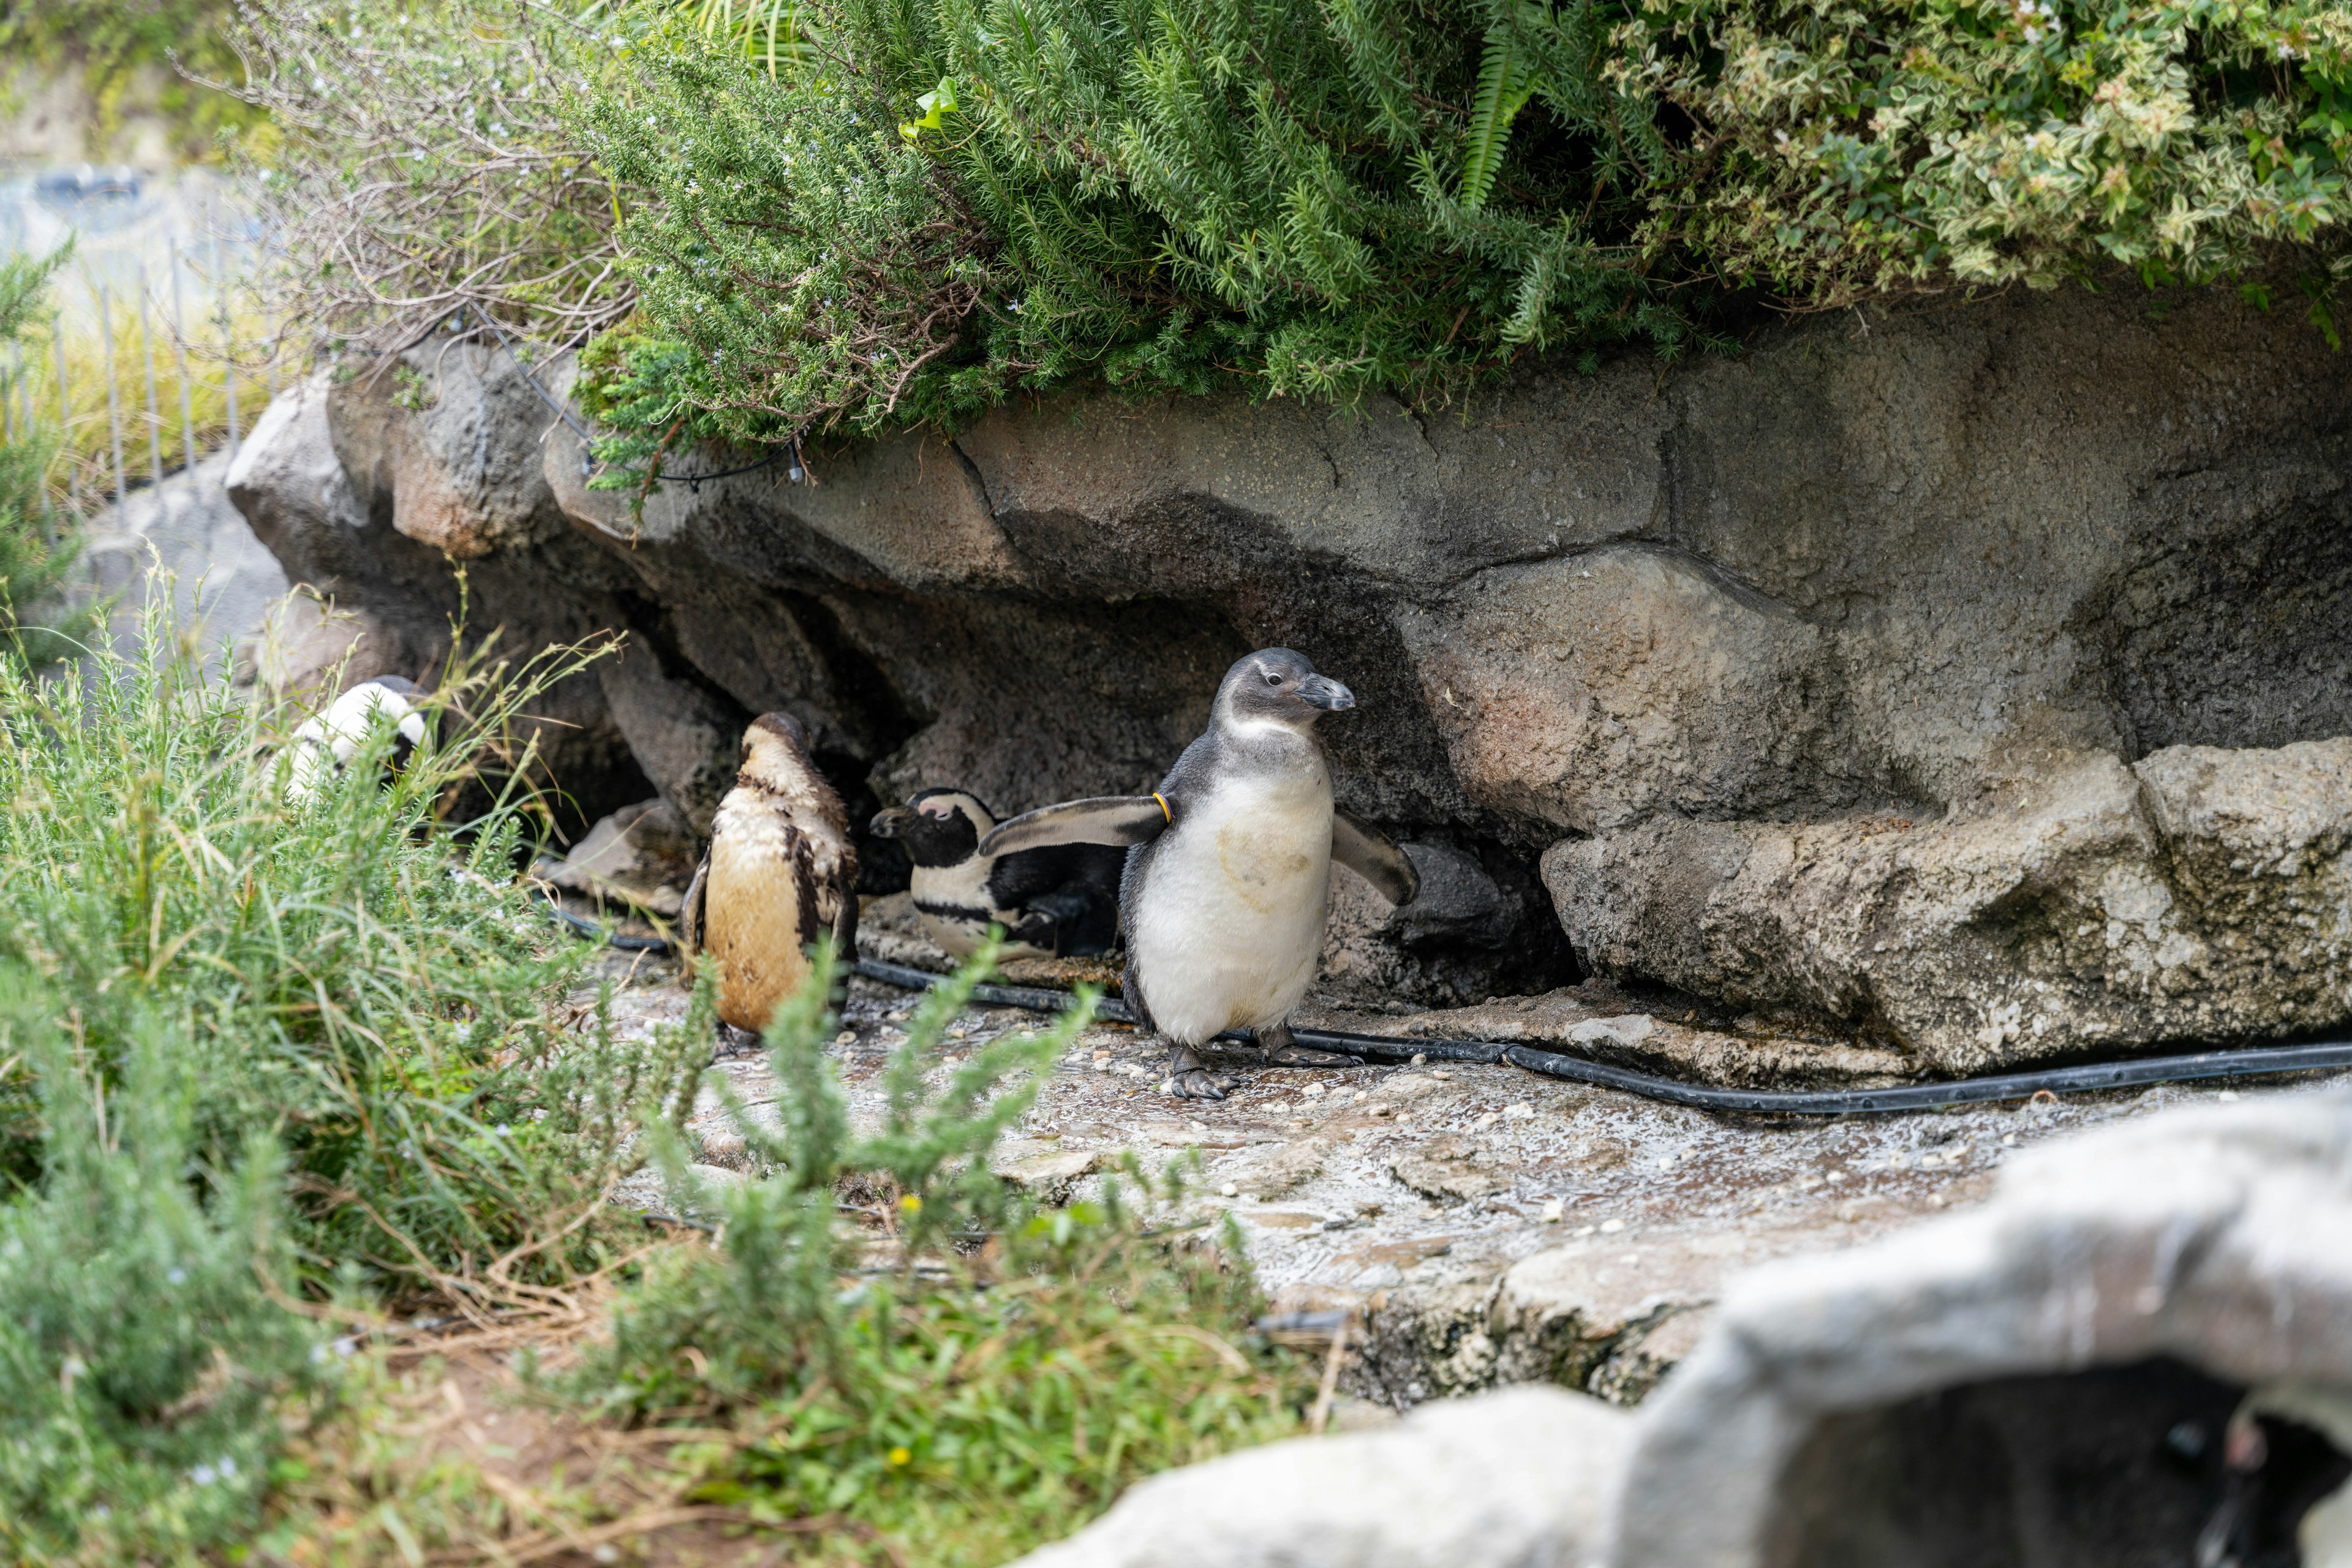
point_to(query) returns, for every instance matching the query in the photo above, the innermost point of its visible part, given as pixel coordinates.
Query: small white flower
(177, 1277)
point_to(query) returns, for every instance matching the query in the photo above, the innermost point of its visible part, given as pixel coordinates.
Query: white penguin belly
(952, 903)
(1229, 930)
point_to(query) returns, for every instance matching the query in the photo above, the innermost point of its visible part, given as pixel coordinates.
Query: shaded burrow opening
(2136, 1465)
(2237, 634)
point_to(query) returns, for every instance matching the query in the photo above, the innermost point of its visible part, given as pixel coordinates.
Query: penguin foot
(1200, 1083)
(734, 1041)
(1189, 1077)
(1296, 1055)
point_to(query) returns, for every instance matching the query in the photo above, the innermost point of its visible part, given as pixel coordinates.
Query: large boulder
(1952, 569)
(1519, 1479)
(2204, 893)
(2139, 1352)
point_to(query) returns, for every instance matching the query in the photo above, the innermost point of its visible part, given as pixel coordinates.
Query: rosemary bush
(893, 213)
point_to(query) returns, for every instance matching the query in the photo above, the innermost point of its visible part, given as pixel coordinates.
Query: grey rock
(1626, 1032)
(182, 540)
(1518, 1479)
(1928, 571)
(688, 738)
(1614, 684)
(1448, 1169)
(2200, 895)
(643, 854)
(1272, 1170)
(1458, 901)
(319, 479)
(1052, 1174)
(2152, 1273)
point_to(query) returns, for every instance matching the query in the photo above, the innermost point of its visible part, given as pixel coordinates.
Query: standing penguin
(780, 872)
(1228, 878)
(1058, 901)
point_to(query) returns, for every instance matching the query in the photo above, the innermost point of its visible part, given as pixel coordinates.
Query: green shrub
(1856, 147)
(38, 549)
(145, 1353)
(971, 196)
(941, 1363)
(265, 1061)
(345, 983)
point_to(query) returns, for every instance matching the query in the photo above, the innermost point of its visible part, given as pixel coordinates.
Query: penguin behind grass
(324, 744)
(1228, 874)
(780, 871)
(1059, 901)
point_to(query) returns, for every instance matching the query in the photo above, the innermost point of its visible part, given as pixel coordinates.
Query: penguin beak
(885, 824)
(1322, 691)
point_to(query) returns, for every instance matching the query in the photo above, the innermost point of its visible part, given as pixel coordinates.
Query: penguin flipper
(1367, 851)
(689, 921)
(1114, 819)
(844, 928)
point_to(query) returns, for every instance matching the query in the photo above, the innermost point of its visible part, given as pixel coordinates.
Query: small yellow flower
(901, 1456)
(910, 1203)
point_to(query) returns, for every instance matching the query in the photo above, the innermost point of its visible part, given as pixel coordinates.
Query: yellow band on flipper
(1166, 816)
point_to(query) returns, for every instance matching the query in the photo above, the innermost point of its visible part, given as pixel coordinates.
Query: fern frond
(1504, 82)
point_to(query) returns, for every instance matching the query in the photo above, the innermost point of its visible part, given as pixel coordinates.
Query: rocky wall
(1952, 680)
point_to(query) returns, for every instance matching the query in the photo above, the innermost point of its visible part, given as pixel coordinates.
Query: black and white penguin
(325, 744)
(1228, 877)
(1058, 901)
(780, 871)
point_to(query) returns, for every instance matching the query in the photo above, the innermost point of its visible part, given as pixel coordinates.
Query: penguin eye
(1272, 679)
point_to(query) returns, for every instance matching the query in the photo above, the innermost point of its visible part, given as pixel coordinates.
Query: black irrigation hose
(1768, 1102)
(2196, 1065)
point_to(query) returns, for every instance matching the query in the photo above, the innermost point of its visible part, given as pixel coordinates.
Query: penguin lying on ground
(1060, 901)
(1228, 877)
(324, 744)
(780, 872)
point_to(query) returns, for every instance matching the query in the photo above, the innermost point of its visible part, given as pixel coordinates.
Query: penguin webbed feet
(1189, 1077)
(1283, 1050)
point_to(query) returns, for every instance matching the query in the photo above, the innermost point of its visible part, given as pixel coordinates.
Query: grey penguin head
(1277, 686)
(939, 826)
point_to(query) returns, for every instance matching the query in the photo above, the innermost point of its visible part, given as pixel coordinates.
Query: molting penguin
(780, 871)
(1060, 901)
(1228, 880)
(325, 744)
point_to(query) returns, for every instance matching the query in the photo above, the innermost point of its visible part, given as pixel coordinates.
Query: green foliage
(975, 196)
(964, 1401)
(142, 1351)
(1853, 147)
(35, 554)
(417, 171)
(135, 57)
(259, 1052)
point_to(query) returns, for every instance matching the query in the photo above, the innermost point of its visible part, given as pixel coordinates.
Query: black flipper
(1108, 819)
(1367, 851)
(844, 927)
